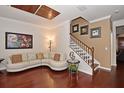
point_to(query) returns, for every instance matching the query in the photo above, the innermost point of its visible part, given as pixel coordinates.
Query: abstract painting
(18, 41)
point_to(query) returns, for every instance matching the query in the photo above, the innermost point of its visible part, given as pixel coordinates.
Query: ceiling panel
(28, 8)
(47, 12)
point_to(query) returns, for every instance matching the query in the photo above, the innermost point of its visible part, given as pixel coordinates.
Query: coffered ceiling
(68, 12)
(29, 8)
(40, 10)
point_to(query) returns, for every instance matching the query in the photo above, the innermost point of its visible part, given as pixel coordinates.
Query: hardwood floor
(43, 77)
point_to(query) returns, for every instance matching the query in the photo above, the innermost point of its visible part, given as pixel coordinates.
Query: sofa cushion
(9, 61)
(24, 57)
(46, 60)
(16, 58)
(57, 57)
(31, 56)
(33, 62)
(39, 56)
(46, 55)
(18, 65)
(62, 58)
(58, 64)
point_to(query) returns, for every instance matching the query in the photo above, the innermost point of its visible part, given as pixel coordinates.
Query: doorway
(120, 45)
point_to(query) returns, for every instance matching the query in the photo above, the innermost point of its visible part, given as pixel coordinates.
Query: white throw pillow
(62, 57)
(52, 55)
(31, 56)
(46, 56)
(9, 60)
(24, 57)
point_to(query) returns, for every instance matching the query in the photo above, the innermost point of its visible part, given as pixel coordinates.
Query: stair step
(95, 65)
(86, 56)
(76, 48)
(80, 52)
(73, 45)
(83, 53)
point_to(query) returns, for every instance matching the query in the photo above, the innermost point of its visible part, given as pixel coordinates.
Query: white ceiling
(68, 12)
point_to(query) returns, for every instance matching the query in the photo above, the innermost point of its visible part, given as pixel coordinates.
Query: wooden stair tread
(95, 65)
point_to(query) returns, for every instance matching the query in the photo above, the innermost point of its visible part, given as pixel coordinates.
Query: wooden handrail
(80, 41)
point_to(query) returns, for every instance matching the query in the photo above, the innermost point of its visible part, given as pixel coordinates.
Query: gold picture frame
(84, 30)
(95, 32)
(75, 28)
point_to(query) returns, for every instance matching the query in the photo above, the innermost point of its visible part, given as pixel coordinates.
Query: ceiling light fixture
(50, 14)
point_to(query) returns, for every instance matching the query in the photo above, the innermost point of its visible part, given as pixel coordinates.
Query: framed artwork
(75, 28)
(18, 41)
(95, 32)
(84, 30)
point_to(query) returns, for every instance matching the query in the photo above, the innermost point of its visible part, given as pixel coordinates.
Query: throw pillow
(57, 57)
(24, 56)
(31, 56)
(16, 58)
(39, 56)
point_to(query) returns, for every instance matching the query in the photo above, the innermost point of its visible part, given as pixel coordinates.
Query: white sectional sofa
(29, 60)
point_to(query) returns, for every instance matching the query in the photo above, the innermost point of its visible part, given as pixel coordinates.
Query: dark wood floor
(43, 77)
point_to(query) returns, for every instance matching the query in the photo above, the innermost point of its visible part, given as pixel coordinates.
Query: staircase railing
(87, 49)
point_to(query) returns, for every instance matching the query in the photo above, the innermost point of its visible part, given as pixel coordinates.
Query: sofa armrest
(8, 60)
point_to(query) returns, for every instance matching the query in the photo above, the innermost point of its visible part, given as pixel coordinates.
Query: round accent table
(73, 66)
(1, 59)
(2, 67)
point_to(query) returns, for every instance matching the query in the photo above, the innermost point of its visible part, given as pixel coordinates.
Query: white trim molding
(109, 69)
(14, 20)
(113, 64)
(99, 19)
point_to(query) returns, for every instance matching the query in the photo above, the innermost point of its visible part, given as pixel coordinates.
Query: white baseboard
(113, 64)
(109, 69)
(87, 72)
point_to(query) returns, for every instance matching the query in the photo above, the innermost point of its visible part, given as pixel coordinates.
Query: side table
(73, 66)
(1, 59)
(2, 67)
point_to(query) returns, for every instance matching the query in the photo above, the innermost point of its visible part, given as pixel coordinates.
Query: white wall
(8, 25)
(115, 24)
(61, 35)
(61, 44)
(60, 39)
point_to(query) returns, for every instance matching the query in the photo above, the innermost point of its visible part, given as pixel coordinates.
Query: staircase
(84, 52)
